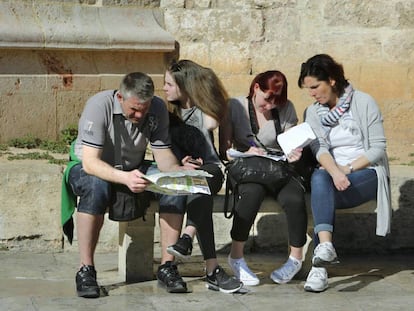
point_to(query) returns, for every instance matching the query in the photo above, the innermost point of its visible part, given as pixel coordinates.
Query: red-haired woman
(251, 128)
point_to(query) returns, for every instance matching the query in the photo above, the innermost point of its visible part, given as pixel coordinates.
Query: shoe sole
(176, 254)
(222, 290)
(282, 281)
(250, 283)
(245, 282)
(313, 290)
(89, 294)
(176, 290)
(279, 281)
(318, 262)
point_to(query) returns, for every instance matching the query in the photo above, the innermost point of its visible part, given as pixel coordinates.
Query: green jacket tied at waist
(68, 198)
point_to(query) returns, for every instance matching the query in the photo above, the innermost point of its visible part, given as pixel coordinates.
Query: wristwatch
(351, 169)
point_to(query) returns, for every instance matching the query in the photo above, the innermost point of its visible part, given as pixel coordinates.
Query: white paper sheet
(298, 136)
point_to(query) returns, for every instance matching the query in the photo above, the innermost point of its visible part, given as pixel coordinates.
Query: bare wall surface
(54, 55)
(373, 39)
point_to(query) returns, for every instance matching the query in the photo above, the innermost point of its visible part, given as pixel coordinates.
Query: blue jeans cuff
(323, 227)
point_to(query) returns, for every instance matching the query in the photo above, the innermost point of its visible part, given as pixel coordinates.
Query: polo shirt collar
(117, 105)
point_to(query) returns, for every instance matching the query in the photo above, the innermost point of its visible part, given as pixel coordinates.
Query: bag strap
(117, 119)
(252, 117)
(253, 120)
(190, 114)
(255, 127)
(276, 121)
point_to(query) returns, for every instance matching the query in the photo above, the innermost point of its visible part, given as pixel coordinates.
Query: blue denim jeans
(94, 193)
(325, 198)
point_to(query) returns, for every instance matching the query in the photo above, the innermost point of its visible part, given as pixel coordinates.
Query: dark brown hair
(324, 68)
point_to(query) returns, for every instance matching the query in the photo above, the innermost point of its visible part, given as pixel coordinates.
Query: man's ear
(119, 96)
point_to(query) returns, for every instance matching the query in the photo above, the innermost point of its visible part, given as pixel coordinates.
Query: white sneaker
(324, 254)
(286, 272)
(242, 272)
(317, 280)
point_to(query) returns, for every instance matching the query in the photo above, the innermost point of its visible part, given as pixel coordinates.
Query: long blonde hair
(202, 86)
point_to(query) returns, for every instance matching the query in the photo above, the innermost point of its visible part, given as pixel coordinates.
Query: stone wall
(374, 40)
(54, 56)
(237, 38)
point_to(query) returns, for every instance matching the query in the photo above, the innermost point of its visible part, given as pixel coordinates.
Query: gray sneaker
(324, 254)
(317, 280)
(219, 280)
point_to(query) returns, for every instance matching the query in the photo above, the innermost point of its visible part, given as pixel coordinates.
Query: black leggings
(200, 211)
(292, 199)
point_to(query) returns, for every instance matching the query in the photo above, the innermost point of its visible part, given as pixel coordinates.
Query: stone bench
(30, 221)
(136, 238)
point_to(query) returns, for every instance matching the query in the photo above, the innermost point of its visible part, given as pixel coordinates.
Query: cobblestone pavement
(32, 281)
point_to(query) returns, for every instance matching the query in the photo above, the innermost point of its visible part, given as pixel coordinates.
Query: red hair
(270, 81)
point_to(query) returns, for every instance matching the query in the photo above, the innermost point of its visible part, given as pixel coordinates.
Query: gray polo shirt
(96, 129)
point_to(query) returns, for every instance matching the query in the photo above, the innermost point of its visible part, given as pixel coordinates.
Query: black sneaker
(169, 277)
(221, 281)
(86, 284)
(183, 248)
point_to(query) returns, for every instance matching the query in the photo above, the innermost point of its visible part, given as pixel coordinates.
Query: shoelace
(316, 273)
(324, 248)
(172, 273)
(185, 244)
(220, 274)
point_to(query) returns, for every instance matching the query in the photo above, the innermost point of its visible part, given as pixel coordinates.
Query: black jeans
(292, 199)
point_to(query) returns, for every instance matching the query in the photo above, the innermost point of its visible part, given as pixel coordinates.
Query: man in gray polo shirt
(141, 118)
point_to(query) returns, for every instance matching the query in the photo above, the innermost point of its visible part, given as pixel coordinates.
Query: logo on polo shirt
(88, 128)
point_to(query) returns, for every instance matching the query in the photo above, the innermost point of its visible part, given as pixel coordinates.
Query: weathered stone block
(370, 73)
(230, 58)
(30, 205)
(41, 121)
(378, 13)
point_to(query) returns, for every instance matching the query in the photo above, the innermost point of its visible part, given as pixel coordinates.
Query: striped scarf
(331, 118)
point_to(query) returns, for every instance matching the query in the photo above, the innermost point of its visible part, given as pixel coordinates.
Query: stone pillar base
(136, 251)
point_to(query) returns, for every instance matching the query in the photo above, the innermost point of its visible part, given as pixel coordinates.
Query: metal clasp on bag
(119, 167)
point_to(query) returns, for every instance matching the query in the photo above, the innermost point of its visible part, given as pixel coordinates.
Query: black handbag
(260, 170)
(127, 205)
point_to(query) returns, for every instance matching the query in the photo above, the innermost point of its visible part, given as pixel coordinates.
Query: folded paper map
(179, 183)
(298, 136)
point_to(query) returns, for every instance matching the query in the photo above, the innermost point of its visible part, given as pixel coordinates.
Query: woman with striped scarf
(351, 151)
